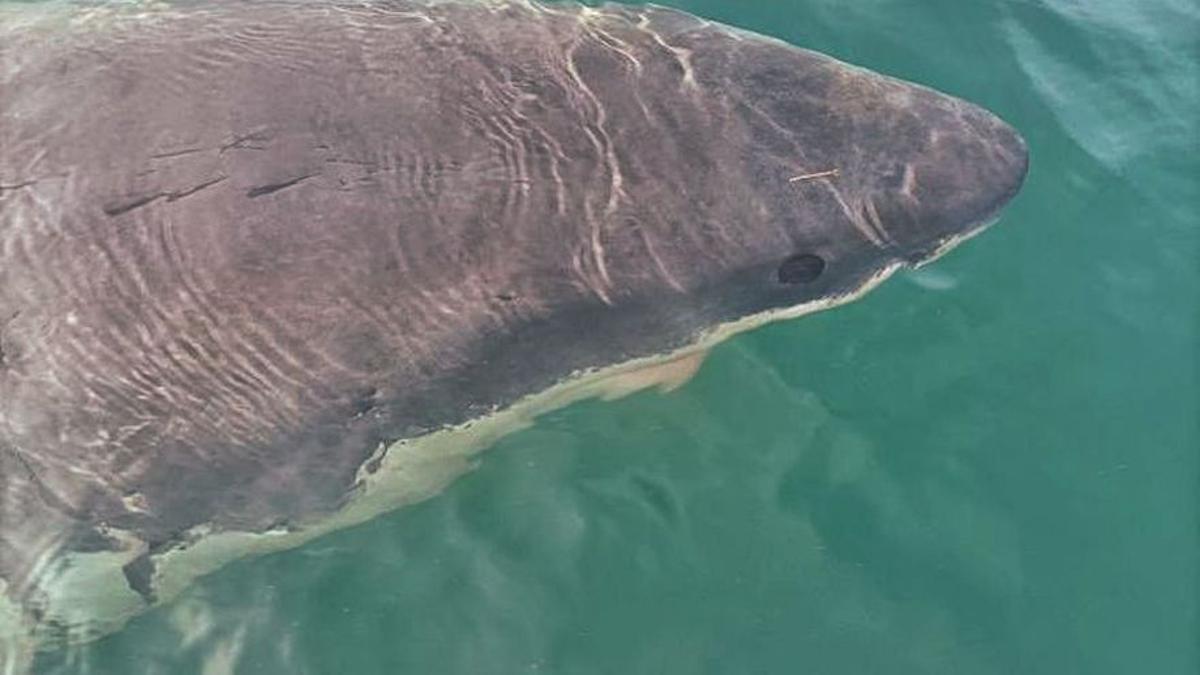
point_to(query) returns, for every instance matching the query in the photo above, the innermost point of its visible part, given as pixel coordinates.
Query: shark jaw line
(950, 243)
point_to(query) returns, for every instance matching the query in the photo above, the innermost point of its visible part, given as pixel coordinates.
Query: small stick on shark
(832, 173)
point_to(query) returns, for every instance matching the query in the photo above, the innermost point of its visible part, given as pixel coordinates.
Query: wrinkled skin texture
(241, 246)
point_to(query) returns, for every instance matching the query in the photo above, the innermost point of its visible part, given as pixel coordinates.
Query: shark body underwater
(270, 269)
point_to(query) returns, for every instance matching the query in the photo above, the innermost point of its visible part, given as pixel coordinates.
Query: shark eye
(801, 268)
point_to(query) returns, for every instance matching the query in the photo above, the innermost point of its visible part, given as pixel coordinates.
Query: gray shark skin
(245, 246)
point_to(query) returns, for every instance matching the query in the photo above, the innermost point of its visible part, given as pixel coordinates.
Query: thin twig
(832, 173)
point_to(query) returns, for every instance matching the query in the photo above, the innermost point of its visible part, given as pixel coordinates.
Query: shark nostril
(801, 268)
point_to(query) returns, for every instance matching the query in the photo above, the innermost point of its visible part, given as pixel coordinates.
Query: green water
(990, 466)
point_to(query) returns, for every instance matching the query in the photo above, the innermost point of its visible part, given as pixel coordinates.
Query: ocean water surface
(987, 466)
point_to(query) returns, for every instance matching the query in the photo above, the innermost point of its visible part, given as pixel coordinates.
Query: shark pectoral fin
(667, 377)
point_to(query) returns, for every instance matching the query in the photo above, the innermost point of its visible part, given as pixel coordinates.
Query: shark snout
(971, 168)
(1001, 173)
(948, 177)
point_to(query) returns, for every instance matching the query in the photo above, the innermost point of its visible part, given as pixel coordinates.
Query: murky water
(987, 466)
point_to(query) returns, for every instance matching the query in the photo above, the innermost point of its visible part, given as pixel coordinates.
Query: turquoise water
(988, 466)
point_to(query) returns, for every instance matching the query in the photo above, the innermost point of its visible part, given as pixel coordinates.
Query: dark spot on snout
(802, 268)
